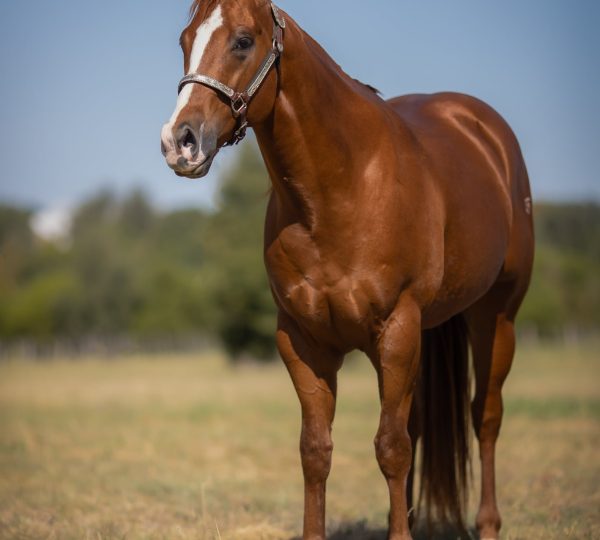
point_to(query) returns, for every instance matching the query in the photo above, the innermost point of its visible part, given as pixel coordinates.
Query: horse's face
(226, 40)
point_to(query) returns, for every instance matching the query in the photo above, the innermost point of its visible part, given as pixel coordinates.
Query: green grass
(185, 447)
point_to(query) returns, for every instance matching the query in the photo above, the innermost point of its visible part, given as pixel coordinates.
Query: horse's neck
(315, 135)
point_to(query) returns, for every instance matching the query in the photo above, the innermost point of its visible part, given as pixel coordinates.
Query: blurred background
(105, 253)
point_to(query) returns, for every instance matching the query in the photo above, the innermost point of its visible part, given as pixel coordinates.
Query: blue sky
(86, 86)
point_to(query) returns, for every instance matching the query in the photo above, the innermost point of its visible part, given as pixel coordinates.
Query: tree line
(128, 272)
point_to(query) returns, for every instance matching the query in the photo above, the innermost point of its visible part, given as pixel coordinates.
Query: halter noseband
(241, 100)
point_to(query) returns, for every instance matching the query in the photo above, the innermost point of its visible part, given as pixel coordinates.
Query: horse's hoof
(489, 535)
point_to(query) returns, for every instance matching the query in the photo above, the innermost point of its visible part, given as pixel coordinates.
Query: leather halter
(241, 100)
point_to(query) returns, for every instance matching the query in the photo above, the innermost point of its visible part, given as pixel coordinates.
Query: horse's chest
(336, 312)
(323, 303)
(332, 303)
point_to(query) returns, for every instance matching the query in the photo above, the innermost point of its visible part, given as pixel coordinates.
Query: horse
(401, 228)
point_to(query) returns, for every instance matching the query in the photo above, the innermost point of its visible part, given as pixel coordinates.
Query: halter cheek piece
(241, 100)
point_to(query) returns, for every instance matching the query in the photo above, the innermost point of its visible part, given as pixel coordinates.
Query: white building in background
(52, 223)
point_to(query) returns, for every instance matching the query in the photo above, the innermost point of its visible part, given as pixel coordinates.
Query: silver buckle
(238, 106)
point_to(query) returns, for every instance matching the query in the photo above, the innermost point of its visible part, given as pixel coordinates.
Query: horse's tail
(444, 404)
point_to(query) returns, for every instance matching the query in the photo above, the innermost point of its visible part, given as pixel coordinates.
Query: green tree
(17, 243)
(565, 285)
(245, 312)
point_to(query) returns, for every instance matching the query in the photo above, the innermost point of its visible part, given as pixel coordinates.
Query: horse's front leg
(314, 374)
(397, 359)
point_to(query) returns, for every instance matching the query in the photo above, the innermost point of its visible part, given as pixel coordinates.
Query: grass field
(185, 447)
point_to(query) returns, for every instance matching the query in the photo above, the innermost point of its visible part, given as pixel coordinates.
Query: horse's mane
(372, 88)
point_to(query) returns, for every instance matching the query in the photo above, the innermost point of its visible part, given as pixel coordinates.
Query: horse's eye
(243, 44)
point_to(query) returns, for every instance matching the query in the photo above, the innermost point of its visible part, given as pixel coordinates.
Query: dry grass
(187, 448)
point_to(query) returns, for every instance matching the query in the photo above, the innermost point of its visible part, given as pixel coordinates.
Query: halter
(239, 101)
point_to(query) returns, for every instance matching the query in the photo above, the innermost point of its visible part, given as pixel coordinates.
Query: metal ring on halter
(238, 105)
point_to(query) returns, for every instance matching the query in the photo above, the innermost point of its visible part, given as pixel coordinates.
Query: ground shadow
(361, 531)
(358, 530)
(421, 533)
(354, 531)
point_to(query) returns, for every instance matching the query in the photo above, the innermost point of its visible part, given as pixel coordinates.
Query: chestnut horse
(401, 228)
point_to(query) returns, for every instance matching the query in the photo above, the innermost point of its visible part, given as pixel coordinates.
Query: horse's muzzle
(187, 150)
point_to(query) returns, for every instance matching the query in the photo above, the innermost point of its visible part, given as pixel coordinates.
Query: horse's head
(229, 48)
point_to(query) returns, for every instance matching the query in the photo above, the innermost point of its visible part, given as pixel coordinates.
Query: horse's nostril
(189, 139)
(188, 143)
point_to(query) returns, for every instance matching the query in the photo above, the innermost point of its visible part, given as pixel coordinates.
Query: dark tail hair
(444, 405)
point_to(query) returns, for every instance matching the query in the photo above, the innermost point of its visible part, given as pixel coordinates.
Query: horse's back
(473, 159)
(465, 123)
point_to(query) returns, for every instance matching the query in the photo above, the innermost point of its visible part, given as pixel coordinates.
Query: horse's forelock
(207, 6)
(204, 6)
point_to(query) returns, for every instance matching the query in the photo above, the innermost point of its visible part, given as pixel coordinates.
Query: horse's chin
(194, 175)
(195, 171)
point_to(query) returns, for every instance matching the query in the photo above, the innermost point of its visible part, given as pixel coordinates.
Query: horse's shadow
(361, 531)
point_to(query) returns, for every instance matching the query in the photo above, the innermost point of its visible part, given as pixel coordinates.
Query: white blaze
(203, 36)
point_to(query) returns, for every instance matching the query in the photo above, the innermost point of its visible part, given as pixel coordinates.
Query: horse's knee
(394, 452)
(316, 448)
